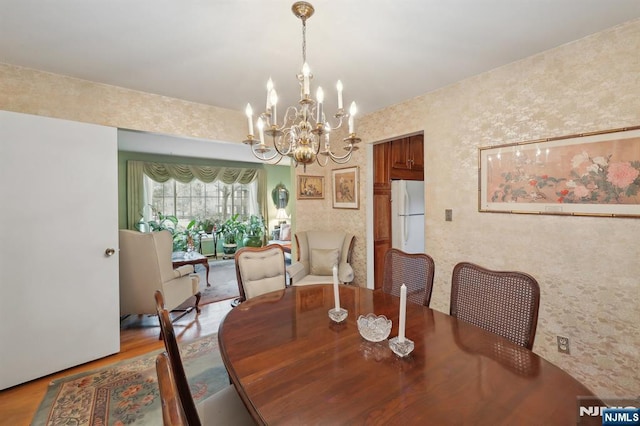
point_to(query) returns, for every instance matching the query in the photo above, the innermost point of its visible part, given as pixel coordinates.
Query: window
(216, 200)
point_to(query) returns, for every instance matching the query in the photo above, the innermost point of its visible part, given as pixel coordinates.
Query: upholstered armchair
(145, 266)
(317, 252)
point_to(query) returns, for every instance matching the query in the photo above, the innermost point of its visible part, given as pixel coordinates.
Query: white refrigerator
(407, 215)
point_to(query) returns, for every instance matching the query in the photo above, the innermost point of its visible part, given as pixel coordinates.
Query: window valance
(185, 173)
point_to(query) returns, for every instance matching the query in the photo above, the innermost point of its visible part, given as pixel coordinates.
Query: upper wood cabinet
(407, 158)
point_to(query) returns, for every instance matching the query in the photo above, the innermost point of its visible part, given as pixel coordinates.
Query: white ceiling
(221, 52)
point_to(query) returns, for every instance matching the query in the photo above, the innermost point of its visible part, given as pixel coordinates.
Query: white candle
(336, 290)
(352, 112)
(269, 89)
(249, 113)
(339, 87)
(320, 98)
(403, 312)
(274, 101)
(305, 78)
(261, 130)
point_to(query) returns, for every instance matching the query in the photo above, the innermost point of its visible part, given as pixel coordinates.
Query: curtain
(262, 201)
(185, 173)
(135, 192)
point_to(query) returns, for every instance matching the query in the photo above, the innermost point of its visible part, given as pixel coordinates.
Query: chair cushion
(322, 261)
(314, 279)
(224, 408)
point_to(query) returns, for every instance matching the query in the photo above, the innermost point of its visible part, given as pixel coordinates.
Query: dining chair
(260, 270)
(172, 412)
(503, 302)
(415, 270)
(223, 407)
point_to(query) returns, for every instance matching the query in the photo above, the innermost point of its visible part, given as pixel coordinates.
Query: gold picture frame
(346, 188)
(591, 174)
(310, 187)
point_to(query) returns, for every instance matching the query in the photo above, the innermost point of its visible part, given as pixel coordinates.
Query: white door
(59, 304)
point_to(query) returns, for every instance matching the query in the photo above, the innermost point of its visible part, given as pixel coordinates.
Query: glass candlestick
(401, 349)
(338, 315)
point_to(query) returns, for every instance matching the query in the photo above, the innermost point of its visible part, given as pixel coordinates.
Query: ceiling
(221, 52)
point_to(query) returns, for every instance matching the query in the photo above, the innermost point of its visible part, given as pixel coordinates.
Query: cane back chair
(415, 270)
(503, 302)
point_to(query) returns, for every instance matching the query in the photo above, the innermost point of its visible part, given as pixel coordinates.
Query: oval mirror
(280, 196)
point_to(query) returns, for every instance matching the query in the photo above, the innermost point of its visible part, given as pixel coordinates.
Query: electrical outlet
(563, 345)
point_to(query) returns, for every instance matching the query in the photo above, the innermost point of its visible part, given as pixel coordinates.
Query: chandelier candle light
(303, 129)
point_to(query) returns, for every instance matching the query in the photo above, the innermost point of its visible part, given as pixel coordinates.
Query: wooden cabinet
(381, 207)
(381, 169)
(381, 232)
(407, 158)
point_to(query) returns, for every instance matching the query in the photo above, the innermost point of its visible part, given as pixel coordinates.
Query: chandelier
(304, 128)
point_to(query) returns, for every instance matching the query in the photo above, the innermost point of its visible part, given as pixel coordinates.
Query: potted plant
(255, 230)
(168, 222)
(208, 225)
(187, 239)
(231, 231)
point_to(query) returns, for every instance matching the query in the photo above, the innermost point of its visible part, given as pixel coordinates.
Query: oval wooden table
(292, 365)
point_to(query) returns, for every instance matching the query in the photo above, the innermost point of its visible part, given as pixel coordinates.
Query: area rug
(127, 392)
(222, 277)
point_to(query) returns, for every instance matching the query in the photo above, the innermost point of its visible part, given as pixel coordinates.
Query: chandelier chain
(304, 40)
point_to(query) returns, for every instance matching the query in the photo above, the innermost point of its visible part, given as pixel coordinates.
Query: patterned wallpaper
(52, 95)
(587, 267)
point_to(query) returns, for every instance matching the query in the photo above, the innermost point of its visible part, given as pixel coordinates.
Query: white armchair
(145, 266)
(317, 252)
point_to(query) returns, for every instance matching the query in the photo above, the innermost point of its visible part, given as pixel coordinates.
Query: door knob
(110, 252)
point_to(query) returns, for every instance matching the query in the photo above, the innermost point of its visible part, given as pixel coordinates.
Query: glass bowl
(374, 328)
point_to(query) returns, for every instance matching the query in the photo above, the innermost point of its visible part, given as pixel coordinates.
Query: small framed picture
(310, 187)
(346, 184)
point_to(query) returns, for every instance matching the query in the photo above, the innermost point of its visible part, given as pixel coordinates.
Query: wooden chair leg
(198, 296)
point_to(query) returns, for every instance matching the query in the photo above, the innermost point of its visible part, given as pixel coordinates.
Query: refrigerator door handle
(404, 219)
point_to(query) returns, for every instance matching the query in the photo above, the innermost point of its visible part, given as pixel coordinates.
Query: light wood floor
(138, 335)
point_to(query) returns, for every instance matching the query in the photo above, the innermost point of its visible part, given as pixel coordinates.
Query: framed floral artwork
(345, 188)
(594, 174)
(310, 187)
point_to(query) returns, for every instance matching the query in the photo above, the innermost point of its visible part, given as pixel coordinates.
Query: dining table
(291, 364)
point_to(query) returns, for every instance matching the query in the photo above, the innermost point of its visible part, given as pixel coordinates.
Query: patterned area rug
(127, 392)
